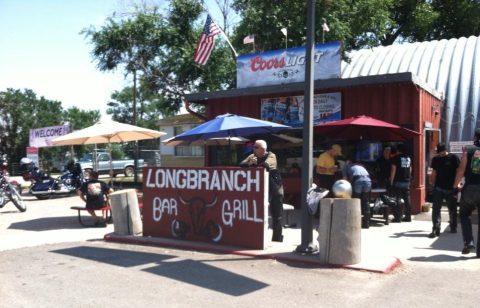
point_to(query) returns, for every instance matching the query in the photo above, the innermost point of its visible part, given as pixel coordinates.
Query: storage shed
(401, 99)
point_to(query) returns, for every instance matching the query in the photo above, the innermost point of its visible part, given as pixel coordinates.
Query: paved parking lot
(46, 254)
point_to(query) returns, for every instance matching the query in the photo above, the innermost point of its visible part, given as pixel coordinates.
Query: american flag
(249, 39)
(207, 41)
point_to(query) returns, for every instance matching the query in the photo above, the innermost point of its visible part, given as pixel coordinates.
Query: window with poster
(288, 110)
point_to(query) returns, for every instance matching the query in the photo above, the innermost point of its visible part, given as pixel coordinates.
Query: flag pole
(285, 32)
(221, 30)
(228, 41)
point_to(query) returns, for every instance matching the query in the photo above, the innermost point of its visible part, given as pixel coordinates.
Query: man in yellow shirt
(326, 167)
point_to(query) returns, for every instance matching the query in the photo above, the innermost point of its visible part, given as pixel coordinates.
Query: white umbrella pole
(110, 163)
(95, 158)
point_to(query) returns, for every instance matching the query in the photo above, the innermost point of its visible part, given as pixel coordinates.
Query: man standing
(383, 167)
(362, 186)
(444, 167)
(262, 158)
(470, 200)
(400, 176)
(326, 167)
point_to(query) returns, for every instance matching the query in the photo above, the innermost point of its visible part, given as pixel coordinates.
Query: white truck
(125, 166)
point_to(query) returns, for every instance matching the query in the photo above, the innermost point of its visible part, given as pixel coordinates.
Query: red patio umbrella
(364, 128)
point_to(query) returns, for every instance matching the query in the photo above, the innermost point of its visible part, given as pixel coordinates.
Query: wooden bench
(106, 213)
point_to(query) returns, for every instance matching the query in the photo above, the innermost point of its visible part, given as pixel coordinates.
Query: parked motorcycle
(44, 186)
(8, 192)
(4, 164)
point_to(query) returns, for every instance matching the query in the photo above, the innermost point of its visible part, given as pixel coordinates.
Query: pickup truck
(125, 166)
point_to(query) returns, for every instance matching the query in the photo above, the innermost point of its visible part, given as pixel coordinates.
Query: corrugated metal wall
(452, 67)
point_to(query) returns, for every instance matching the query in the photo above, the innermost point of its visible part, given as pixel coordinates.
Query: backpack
(314, 195)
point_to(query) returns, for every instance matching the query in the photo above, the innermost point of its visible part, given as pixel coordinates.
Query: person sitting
(94, 193)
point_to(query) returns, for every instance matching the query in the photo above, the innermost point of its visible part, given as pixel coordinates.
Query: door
(432, 138)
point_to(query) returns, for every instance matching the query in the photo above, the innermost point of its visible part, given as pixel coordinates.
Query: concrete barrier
(125, 212)
(339, 231)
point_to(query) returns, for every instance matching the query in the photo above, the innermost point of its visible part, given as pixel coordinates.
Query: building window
(186, 150)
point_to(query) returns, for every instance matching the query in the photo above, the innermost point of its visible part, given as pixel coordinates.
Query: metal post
(307, 232)
(134, 121)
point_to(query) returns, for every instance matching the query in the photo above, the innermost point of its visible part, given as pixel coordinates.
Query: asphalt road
(48, 260)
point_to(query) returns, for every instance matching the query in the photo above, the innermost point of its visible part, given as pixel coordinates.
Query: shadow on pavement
(439, 258)
(410, 233)
(10, 212)
(47, 223)
(189, 271)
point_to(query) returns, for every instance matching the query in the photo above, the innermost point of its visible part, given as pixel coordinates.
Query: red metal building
(400, 98)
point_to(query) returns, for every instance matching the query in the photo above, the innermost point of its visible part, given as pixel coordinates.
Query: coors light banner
(287, 65)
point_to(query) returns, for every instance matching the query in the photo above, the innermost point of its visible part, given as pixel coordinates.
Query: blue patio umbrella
(230, 125)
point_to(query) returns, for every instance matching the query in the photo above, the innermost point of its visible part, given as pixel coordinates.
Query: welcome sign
(288, 65)
(226, 206)
(42, 137)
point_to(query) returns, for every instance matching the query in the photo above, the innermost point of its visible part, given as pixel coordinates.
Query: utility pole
(307, 225)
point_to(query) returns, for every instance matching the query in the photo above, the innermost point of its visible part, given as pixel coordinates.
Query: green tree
(456, 18)
(22, 110)
(356, 23)
(152, 106)
(160, 49)
(79, 119)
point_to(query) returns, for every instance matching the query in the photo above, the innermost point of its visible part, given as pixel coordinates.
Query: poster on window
(289, 110)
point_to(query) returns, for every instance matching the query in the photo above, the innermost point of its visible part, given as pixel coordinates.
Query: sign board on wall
(227, 206)
(42, 137)
(32, 153)
(457, 146)
(287, 65)
(289, 110)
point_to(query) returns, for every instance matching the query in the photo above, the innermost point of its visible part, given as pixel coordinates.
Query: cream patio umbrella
(107, 132)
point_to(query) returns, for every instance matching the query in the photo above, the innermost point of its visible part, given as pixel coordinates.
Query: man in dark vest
(382, 168)
(400, 175)
(470, 200)
(263, 158)
(444, 168)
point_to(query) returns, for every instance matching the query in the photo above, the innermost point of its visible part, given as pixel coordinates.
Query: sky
(41, 49)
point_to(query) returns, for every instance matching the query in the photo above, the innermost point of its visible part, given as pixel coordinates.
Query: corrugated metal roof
(452, 67)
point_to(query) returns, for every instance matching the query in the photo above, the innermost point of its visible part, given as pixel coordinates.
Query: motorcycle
(8, 192)
(45, 186)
